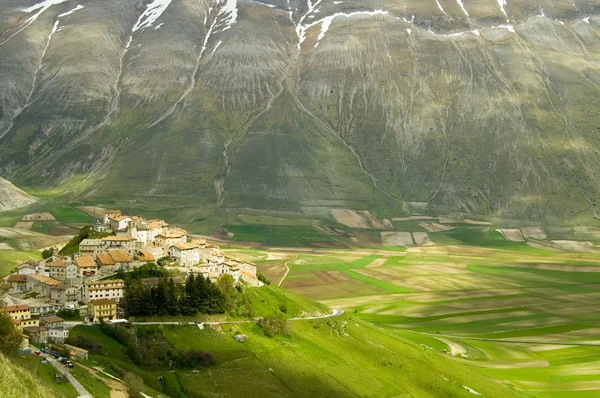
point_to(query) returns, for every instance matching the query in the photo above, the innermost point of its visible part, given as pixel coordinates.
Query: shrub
(10, 337)
(275, 324)
(87, 343)
(262, 277)
(134, 384)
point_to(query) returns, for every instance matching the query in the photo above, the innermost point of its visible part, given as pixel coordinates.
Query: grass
(278, 235)
(45, 375)
(95, 386)
(67, 214)
(10, 259)
(323, 358)
(43, 227)
(388, 287)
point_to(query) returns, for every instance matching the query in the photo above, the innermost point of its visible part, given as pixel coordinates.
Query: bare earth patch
(360, 219)
(533, 233)
(513, 235)
(422, 239)
(413, 218)
(26, 225)
(455, 348)
(574, 245)
(435, 227)
(94, 211)
(397, 239)
(377, 263)
(5, 246)
(38, 217)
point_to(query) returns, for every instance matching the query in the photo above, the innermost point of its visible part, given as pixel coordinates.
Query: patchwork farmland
(524, 316)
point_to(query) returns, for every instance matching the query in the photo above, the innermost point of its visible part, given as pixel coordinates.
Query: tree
(47, 253)
(134, 384)
(275, 324)
(10, 337)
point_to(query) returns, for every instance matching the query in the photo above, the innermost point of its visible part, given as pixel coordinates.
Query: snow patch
(159, 26)
(264, 4)
(502, 5)
(79, 7)
(586, 20)
(217, 46)
(440, 7)
(229, 11)
(460, 3)
(326, 22)
(510, 28)
(152, 12)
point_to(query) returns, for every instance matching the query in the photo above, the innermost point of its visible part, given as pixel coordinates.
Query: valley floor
(525, 317)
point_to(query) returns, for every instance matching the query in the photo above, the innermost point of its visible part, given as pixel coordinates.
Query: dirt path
(287, 269)
(118, 389)
(455, 348)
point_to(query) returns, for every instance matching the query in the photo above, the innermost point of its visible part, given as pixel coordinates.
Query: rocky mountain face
(12, 197)
(472, 106)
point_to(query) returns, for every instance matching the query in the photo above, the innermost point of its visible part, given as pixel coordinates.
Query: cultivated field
(525, 316)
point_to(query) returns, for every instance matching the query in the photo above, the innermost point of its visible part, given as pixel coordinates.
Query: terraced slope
(472, 106)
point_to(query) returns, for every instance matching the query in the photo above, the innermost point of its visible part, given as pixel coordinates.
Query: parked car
(38, 352)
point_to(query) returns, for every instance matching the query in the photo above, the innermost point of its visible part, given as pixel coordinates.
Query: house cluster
(72, 281)
(41, 329)
(138, 240)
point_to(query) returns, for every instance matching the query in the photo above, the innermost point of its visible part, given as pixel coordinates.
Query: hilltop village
(39, 289)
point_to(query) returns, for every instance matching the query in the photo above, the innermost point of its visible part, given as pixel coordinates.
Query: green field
(329, 357)
(68, 214)
(524, 316)
(10, 259)
(43, 227)
(278, 235)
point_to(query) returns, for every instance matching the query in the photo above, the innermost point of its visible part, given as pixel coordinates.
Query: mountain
(12, 197)
(444, 106)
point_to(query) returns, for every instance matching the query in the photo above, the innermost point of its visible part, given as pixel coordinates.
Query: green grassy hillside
(24, 378)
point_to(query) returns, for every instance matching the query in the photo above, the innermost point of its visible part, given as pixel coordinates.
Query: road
(63, 369)
(334, 312)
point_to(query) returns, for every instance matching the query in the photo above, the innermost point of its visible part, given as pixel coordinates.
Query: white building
(185, 254)
(118, 222)
(62, 269)
(58, 335)
(100, 290)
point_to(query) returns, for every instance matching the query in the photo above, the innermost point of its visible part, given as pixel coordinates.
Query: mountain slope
(474, 106)
(12, 197)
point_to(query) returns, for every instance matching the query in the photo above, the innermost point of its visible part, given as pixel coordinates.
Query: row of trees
(197, 294)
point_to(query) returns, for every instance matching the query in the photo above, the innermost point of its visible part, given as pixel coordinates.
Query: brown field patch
(422, 239)
(513, 235)
(273, 271)
(413, 218)
(94, 211)
(360, 219)
(38, 217)
(533, 233)
(62, 230)
(435, 227)
(332, 276)
(397, 239)
(320, 291)
(26, 225)
(377, 263)
(573, 245)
